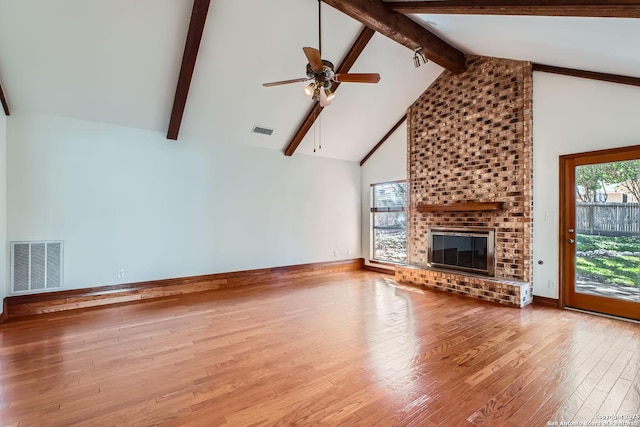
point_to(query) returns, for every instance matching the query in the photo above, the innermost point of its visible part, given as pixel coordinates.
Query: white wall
(3, 207)
(123, 198)
(388, 163)
(571, 115)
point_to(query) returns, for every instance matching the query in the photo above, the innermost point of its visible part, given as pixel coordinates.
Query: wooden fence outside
(608, 218)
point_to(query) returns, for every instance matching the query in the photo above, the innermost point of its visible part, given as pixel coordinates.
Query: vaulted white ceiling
(606, 45)
(117, 61)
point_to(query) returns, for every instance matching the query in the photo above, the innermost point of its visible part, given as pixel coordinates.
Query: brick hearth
(507, 292)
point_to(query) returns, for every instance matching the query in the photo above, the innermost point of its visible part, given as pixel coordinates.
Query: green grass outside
(611, 268)
(586, 242)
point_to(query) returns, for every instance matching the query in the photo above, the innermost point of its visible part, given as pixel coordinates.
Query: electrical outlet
(551, 284)
(121, 274)
(348, 251)
(335, 253)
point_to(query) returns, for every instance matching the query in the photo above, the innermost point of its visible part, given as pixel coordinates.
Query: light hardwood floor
(343, 349)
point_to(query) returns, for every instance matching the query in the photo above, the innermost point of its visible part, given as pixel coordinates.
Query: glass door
(600, 231)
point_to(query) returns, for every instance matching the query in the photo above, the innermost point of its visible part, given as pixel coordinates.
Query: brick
(470, 140)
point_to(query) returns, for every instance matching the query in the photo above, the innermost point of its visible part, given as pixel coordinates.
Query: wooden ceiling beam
(586, 8)
(603, 77)
(192, 45)
(350, 58)
(384, 139)
(377, 15)
(3, 100)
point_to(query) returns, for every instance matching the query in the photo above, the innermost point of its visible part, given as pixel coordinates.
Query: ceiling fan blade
(358, 78)
(314, 58)
(285, 82)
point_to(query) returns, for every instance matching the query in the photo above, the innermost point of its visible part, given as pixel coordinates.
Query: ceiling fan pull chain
(315, 125)
(320, 133)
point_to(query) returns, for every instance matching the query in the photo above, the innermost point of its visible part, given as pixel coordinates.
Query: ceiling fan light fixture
(316, 94)
(310, 89)
(329, 94)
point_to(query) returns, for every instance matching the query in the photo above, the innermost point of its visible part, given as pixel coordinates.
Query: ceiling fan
(321, 73)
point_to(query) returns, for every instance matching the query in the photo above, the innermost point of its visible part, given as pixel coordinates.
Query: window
(389, 222)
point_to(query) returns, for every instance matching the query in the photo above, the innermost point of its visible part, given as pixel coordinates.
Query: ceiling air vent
(262, 131)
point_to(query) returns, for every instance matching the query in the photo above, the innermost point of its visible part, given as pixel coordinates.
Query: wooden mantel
(462, 207)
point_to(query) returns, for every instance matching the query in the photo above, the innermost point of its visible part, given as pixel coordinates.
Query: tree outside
(594, 181)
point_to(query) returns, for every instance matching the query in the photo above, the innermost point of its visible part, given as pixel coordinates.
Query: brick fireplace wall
(470, 140)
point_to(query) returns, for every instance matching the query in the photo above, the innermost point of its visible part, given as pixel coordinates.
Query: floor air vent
(262, 131)
(36, 266)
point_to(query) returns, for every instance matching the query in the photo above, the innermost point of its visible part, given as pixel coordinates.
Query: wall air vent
(262, 130)
(36, 266)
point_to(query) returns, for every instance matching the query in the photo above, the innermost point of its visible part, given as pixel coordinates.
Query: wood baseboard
(5, 312)
(50, 302)
(549, 302)
(378, 269)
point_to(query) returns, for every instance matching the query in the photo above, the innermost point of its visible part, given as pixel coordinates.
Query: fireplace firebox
(463, 249)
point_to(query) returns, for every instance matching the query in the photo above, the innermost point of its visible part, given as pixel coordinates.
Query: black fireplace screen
(467, 249)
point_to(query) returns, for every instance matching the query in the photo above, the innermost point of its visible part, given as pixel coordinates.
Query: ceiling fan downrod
(320, 27)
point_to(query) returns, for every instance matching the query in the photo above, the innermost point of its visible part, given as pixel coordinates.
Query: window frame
(372, 228)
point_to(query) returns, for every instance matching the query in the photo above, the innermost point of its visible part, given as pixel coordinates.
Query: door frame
(567, 220)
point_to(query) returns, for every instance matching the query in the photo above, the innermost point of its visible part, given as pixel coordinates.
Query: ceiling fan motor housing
(323, 78)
